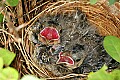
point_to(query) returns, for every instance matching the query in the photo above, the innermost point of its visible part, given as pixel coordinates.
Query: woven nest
(100, 16)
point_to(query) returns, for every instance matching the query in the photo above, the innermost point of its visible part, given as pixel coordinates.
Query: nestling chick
(79, 41)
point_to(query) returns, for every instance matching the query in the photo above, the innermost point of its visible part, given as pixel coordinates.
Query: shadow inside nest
(79, 41)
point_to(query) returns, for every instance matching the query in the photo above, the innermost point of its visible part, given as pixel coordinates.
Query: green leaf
(1, 17)
(7, 56)
(2, 76)
(10, 73)
(116, 74)
(111, 2)
(112, 46)
(12, 2)
(1, 63)
(100, 75)
(93, 1)
(30, 77)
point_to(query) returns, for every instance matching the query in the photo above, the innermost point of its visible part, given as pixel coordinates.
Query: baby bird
(70, 41)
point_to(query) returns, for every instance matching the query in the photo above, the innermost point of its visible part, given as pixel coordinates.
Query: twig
(25, 24)
(16, 39)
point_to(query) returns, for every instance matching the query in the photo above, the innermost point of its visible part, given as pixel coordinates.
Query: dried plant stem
(68, 76)
(16, 39)
(29, 61)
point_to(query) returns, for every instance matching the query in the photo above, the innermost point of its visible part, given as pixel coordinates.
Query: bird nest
(85, 24)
